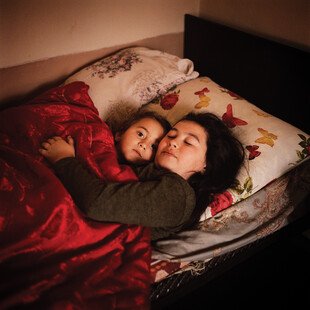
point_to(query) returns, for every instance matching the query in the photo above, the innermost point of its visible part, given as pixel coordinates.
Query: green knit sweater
(160, 199)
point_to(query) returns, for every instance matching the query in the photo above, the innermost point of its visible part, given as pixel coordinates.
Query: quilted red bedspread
(51, 256)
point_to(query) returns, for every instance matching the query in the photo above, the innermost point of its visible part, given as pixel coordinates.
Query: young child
(136, 141)
(138, 138)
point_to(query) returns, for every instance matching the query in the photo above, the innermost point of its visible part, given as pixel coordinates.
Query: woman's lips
(167, 153)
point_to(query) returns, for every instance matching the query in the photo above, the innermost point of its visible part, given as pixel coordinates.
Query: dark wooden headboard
(273, 76)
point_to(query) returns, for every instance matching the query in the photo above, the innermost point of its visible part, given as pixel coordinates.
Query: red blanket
(51, 256)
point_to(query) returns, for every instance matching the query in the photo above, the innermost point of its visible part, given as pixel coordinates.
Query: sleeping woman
(198, 157)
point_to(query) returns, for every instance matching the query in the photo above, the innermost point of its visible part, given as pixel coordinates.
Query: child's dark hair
(144, 114)
(224, 158)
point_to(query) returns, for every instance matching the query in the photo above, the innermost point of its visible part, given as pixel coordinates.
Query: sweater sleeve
(163, 201)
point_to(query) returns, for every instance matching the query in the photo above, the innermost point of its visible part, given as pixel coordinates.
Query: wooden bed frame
(268, 74)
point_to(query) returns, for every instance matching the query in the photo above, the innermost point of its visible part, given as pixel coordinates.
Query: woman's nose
(173, 143)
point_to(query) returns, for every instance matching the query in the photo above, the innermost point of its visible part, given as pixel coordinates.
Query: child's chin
(141, 162)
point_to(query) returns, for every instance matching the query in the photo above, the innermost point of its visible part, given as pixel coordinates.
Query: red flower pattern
(220, 202)
(169, 101)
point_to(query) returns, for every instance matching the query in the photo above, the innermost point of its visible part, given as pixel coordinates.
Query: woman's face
(183, 149)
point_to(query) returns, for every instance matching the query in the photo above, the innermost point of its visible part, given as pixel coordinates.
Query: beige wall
(287, 21)
(44, 41)
(32, 30)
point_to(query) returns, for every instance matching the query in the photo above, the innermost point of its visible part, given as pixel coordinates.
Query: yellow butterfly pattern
(259, 113)
(267, 137)
(204, 100)
(203, 103)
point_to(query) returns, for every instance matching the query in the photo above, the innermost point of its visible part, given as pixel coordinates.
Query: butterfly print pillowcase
(272, 146)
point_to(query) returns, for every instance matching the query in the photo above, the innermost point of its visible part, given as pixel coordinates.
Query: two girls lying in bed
(198, 157)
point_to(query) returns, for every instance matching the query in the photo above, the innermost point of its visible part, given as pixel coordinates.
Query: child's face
(138, 144)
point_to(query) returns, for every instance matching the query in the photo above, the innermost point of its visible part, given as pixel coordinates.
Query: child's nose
(142, 145)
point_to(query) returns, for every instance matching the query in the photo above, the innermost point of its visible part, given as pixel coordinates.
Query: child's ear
(117, 136)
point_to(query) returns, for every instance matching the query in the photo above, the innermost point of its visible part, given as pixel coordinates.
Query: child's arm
(164, 201)
(57, 148)
(160, 200)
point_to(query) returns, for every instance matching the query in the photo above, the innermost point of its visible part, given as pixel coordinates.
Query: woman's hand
(57, 148)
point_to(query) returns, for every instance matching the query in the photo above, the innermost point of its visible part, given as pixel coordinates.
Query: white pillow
(133, 77)
(272, 146)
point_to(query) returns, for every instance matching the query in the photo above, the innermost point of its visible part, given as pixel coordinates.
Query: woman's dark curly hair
(224, 158)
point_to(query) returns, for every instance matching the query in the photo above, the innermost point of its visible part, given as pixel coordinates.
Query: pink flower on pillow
(169, 101)
(220, 202)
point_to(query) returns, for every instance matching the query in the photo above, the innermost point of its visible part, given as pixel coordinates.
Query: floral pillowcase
(132, 77)
(272, 146)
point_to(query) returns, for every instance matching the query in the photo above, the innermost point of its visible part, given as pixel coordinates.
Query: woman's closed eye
(191, 141)
(187, 140)
(171, 136)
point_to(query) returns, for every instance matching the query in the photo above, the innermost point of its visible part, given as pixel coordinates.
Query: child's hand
(57, 148)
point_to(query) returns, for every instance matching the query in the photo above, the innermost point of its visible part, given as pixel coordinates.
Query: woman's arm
(165, 201)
